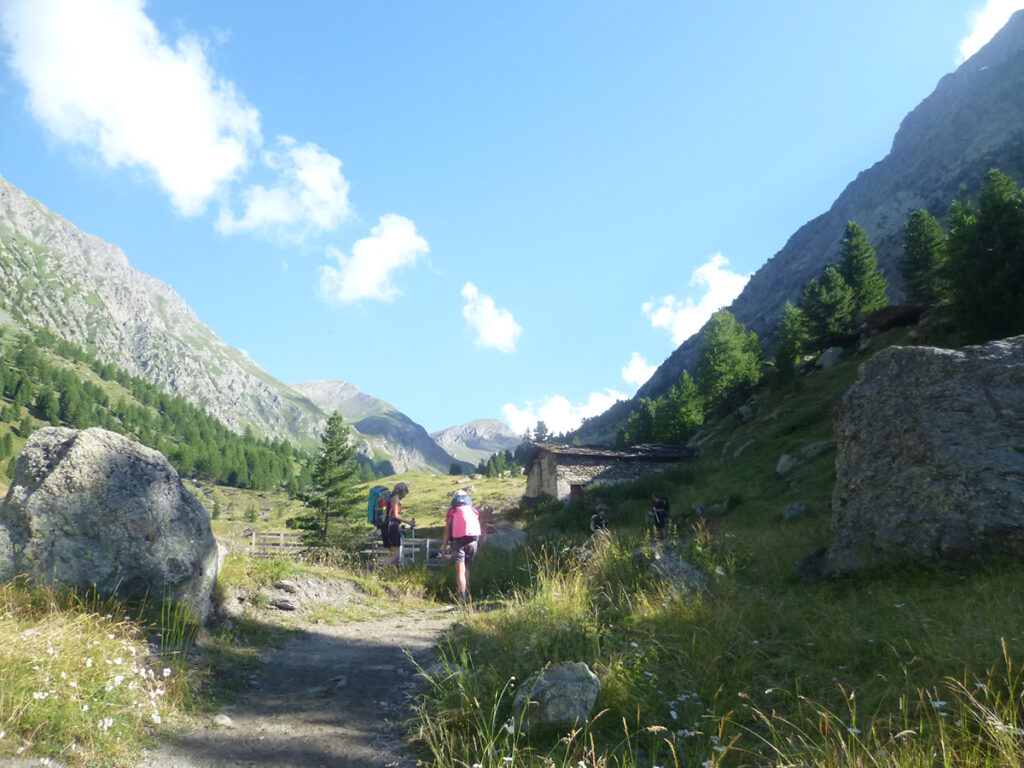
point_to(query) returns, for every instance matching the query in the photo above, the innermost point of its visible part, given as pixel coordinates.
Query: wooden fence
(271, 544)
(414, 551)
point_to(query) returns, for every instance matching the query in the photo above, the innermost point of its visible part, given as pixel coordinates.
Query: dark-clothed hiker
(391, 533)
(660, 513)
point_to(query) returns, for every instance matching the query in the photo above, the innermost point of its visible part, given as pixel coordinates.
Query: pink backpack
(465, 521)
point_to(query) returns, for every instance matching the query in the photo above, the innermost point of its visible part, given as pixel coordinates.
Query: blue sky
(507, 210)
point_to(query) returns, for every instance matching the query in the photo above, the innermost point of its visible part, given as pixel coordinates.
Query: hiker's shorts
(464, 549)
(391, 535)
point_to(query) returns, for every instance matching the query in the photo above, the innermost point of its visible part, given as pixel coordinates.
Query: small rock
(223, 721)
(794, 510)
(746, 413)
(284, 604)
(287, 586)
(814, 450)
(829, 357)
(786, 464)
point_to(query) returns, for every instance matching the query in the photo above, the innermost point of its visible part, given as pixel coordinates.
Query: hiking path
(333, 696)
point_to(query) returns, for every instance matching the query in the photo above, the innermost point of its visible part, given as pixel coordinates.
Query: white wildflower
(939, 704)
(88, 662)
(155, 717)
(167, 672)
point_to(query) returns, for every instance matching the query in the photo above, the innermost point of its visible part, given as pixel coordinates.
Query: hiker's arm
(447, 536)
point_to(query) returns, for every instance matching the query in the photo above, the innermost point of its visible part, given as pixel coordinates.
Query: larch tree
(924, 258)
(730, 359)
(828, 305)
(858, 266)
(986, 260)
(331, 493)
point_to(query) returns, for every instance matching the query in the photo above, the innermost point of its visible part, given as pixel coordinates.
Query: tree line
(972, 269)
(196, 443)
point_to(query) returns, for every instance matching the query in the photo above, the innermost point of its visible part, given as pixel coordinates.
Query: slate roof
(645, 452)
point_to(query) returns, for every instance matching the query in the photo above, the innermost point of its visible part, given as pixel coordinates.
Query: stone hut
(563, 471)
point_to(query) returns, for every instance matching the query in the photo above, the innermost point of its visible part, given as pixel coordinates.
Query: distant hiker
(391, 533)
(598, 521)
(462, 530)
(660, 513)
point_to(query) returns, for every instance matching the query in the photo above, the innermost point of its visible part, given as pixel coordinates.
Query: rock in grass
(559, 696)
(94, 510)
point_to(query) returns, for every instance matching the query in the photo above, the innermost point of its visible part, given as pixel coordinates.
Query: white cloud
(311, 194)
(985, 23)
(98, 75)
(637, 371)
(367, 273)
(558, 413)
(684, 318)
(494, 326)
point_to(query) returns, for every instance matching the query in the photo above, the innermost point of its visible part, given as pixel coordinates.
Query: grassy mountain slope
(764, 669)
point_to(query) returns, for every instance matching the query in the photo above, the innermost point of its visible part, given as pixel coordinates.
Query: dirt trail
(332, 696)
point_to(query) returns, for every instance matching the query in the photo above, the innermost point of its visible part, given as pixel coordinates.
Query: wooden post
(252, 544)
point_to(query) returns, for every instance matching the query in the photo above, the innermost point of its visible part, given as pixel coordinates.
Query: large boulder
(559, 696)
(93, 509)
(930, 457)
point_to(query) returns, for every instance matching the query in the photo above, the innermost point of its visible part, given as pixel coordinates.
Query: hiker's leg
(460, 577)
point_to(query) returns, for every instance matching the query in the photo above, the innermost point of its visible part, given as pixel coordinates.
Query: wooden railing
(414, 551)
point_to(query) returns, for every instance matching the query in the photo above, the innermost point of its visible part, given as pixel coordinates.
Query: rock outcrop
(930, 457)
(92, 509)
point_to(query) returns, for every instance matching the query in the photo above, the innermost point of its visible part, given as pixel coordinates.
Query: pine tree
(924, 258)
(541, 434)
(331, 495)
(858, 266)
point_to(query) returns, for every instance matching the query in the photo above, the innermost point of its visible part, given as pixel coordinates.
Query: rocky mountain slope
(83, 290)
(387, 435)
(478, 440)
(972, 121)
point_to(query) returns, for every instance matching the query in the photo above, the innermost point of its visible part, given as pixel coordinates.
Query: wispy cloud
(99, 75)
(985, 23)
(367, 273)
(494, 326)
(311, 193)
(557, 413)
(637, 371)
(685, 317)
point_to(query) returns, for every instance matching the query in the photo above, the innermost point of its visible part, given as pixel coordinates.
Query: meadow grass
(903, 667)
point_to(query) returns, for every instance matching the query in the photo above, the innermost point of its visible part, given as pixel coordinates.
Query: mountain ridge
(973, 120)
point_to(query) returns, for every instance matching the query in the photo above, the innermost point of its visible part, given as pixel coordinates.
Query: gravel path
(332, 696)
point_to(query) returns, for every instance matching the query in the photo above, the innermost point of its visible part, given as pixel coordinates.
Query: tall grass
(77, 679)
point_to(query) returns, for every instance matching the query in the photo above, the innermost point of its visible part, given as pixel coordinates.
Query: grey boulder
(559, 696)
(92, 509)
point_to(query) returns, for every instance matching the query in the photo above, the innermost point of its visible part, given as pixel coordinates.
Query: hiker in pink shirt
(462, 530)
